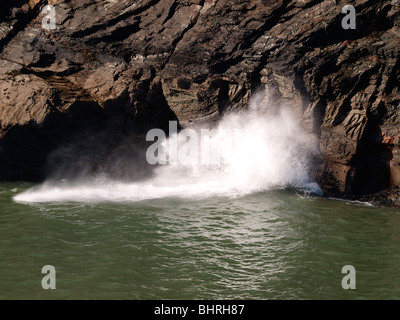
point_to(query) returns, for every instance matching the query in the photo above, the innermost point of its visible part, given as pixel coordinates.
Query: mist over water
(259, 150)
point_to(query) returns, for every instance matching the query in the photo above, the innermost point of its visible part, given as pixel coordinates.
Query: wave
(259, 150)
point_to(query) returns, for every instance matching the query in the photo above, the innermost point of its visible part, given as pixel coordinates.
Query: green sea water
(272, 245)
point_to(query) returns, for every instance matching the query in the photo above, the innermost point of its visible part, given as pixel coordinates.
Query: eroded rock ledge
(118, 68)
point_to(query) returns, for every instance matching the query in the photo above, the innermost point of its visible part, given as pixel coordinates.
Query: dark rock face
(128, 66)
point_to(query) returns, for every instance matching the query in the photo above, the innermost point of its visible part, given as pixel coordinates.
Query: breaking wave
(259, 151)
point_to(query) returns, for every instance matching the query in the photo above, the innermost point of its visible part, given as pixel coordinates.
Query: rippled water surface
(270, 245)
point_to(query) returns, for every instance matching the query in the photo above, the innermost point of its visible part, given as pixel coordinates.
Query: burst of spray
(258, 150)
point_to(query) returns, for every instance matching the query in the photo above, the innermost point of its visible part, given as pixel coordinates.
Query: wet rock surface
(115, 69)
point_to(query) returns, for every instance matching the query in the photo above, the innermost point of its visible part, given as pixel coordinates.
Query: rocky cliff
(114, 69)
